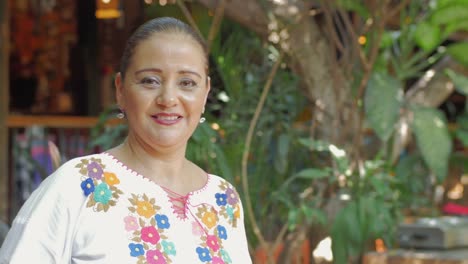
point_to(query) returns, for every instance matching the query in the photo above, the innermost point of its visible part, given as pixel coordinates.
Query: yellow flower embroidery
(209, 219)
(237, 211)
(145, 208)
(110, 178)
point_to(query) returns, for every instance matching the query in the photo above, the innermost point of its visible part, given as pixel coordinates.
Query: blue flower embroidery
(136, 249)
(222, 233)
(203, 254)
(221, 199)
(162, 221)
(87, 186)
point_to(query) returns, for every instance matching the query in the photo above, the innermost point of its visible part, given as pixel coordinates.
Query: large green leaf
(460, 81)
(314, 145)
(445, 3)
(462, 129)
(433, 139)
(313, 174)
(462, 135)
(459, 26)
(427, 36)
(459, 52)
(346, 233)
(382, 104)
(452, 13)
(355, 6)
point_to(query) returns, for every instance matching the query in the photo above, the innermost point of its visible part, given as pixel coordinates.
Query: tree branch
(218, 17)
(245, 155)
(248, 13)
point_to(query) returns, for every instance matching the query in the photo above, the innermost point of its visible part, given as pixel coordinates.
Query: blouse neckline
(146, 179)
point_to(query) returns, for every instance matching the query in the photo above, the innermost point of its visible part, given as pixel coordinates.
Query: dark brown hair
(158, 25)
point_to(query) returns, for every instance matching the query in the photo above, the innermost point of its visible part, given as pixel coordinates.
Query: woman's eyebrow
(148, 69)
(190, 72)
(160, 71)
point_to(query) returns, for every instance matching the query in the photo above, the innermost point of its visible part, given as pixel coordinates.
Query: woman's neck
(164, 168)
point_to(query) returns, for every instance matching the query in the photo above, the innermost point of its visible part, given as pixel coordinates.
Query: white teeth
(168, 118)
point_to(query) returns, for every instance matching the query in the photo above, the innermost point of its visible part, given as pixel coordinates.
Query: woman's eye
(188, 83)
(150, 81)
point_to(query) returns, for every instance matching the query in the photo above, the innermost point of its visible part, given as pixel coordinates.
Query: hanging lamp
(107, 9)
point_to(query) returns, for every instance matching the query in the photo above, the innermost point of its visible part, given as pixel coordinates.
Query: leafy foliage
(433, 139)
(382, 104)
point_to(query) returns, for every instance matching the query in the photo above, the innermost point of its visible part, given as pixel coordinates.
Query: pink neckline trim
(188, 195)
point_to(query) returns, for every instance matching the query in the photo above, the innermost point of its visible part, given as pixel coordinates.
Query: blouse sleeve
(43, 229)
(243, 243)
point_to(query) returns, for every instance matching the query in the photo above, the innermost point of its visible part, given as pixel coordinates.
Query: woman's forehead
(173, 37)
(163, 46)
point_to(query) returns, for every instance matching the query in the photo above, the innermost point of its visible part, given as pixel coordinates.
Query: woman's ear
(118, 82)
(208, 87)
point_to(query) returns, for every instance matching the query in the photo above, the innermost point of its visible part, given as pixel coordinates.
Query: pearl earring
(121, 114)
(202, 119)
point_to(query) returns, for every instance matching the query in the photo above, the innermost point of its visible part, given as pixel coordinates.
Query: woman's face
(164, 90)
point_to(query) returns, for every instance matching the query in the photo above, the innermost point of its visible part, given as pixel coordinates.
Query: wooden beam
(4, 104)
(20, 121)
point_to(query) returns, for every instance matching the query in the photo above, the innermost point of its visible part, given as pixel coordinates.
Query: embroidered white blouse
(94, 209)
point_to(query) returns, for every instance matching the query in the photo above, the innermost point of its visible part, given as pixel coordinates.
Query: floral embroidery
(110, 178)
(197, 230)
(94, 170)
(130, 223)
(228, 200)
(217, 260)
(212, 242)
(136, 249)
(147, 228)
(225, 256)
(168, 247)
(102, 194)
(211, 228)
(209, 218)
(98, 185)
(221, 199)
(232, 197)
(145, 208)
(203, 254)
(150, 234)
(162, 220)
(155, 257)
(222, 233)
(211, 235)
(87, 186)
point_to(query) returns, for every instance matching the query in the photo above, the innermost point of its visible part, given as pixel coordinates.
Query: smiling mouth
(167, 118)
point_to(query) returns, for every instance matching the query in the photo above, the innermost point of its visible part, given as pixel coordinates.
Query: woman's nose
(167, 97)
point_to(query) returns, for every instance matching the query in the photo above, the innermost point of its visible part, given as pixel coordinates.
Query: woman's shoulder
(68, 176)
(218, 181)
(223, 191)
(89, 179)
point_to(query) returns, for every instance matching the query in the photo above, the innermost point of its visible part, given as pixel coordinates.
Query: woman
(142, 201)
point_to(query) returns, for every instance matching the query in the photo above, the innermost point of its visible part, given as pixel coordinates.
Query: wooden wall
(4, 89)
